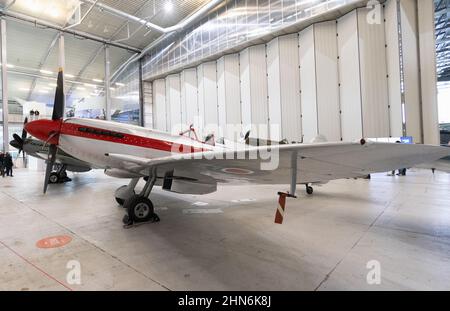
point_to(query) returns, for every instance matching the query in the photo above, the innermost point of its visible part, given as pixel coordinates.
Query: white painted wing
(318, 162)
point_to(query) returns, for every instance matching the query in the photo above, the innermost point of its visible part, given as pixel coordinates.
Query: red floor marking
(54, 241)
(36, 267)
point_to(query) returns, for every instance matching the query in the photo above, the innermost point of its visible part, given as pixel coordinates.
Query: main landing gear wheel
(309, 190)
(140, 209)
(54, 178)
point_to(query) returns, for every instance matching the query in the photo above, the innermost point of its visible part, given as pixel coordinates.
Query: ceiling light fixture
(47, 72)
(120, 84)
(53, 12)
(69, 75)
(168, 6)
(34, 5)
(97, 80)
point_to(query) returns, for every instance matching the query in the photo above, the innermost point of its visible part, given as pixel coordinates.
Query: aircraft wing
(312, 163)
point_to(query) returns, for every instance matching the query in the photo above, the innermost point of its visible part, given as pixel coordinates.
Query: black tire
(309, 190)
(121, 202)
(139, 209)
(54, 178)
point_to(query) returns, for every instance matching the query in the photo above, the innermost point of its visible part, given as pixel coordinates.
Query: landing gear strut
(139, 208)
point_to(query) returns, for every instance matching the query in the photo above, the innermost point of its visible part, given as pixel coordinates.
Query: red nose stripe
(45, 130)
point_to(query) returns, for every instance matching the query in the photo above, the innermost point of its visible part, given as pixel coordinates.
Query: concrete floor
(227, 240)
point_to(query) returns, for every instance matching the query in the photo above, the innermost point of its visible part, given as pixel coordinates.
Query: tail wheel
(139, 209)
(309, 190)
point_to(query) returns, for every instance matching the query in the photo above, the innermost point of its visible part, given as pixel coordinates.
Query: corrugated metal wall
(393, 68)
(308, 84)
(327, 80)
(408, 12)
(339, 79)
(254, 99)
(159, 105)
(189, 98)
(374, 84)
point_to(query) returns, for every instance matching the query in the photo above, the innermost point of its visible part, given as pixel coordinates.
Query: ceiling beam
(90, 61)
(43, 23)
(97, 52)
(42, 63)
(164, 30)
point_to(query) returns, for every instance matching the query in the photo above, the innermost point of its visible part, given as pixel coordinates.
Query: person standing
(2, 164)
(8, 164)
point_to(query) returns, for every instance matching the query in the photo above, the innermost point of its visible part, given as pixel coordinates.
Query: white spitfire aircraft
(186, 165)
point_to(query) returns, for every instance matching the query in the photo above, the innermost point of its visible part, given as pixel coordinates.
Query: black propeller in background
(58, 114)
(18, 142)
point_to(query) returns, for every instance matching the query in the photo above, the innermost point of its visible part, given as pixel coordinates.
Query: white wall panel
(159, 105)
(327, 83)
(207, 96)
(245, 85)
(290, 88)
(189, 101)
(428, 76)
(408, 11)
(148, 104)
(349, 77)
(308, 84)
(254, 104)
(374, 92)
(393, 68)
(274, 90)
(173, 103)
(229, 100)
(284, 88)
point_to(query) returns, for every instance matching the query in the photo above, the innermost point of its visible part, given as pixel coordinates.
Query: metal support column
(107, 84)
(4, 85)
(141, 96)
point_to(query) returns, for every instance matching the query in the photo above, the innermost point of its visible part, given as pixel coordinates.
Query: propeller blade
(18, 139)
(50, 162)
(15, 144)
(58, 108)
(24, 131)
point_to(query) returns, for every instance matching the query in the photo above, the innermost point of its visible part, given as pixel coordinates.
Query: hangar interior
(290, 71)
